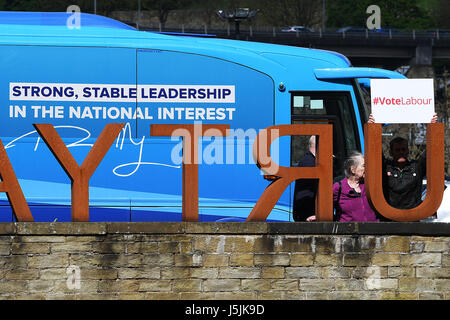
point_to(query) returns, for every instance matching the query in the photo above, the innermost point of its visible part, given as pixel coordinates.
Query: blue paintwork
(138, 179)
(59, 19)
(343, 73)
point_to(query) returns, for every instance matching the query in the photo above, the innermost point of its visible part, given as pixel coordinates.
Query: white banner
(402, 100)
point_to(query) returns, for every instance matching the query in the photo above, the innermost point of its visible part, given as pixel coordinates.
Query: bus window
(362, 94)
(325, 107)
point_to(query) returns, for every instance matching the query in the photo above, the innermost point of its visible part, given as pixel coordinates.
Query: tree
(441, 13)
(163, 7)
(291, 12)
(401, 14)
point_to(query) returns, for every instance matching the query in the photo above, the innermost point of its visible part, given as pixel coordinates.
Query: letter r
(323, 169)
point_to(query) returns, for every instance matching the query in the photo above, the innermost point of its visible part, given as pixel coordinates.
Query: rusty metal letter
(435, 174)
(190, 134)
(79, 175)
(322, 171)
(10, 185)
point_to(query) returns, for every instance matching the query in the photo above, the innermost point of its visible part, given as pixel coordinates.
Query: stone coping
(268, 228)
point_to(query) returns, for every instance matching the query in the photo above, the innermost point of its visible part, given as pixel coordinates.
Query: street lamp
(236, 16)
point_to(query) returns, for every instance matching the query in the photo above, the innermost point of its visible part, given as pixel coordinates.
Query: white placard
(402, 100)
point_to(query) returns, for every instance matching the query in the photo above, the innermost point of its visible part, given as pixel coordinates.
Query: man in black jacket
(402, 178)
(305, 189)
(402, 181)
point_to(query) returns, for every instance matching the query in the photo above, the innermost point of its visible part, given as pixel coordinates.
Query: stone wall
(225, 261)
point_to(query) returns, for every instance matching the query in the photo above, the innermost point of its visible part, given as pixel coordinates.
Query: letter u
(435, 174)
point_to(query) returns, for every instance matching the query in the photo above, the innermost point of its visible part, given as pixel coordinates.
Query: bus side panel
(229, 181)
(45, 184)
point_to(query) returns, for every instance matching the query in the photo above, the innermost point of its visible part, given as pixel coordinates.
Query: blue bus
(80, 79)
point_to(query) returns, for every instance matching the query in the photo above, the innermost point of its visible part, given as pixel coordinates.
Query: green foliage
(400, 14)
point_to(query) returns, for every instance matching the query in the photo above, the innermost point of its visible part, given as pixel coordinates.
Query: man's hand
(435, 118)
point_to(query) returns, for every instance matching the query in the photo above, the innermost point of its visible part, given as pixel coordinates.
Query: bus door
(330, 107)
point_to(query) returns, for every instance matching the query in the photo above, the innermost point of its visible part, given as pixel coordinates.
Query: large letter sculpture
(435, 174)
(190, 134)
(79, 175)
(322, 171)
(10, 185)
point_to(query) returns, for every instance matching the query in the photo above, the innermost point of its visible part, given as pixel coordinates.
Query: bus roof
(59, 19)
(50, 28)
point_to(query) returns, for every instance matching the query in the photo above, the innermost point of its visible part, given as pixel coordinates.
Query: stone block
(272, 272)
(187, 285)
(115, 286)
(241, 259)
(218, 285)
(193, 260)
(350, 285)
(14, 287)
(357, 259)
(284, 284)
(145, 228)
(259, 285)
(239, 272)
(317, 285)
(235, 295)
(142, 247)
(292, 244)
(239, 244)
(397, 272)
(5, 249)
(22, 274)
(397, 244)
(162, 296)
(30, 248)
(163, 260)
(11, 262)
(53, 274)
(421, 259)
(433, 272)
(7, 228)
(55, 260)
(137, 273)
(272, 259)
(386, 259)
(415, 284)
(303, 272)
(322, 260)
(337, 272)
(442, 285)
(196, 295)
(209, 243)
(381, 284)
(155, 286)
(169, 247)
(175, 273)
(108, 247)
(215, 260)
(71, 247)
(302, 259)
(98, 274)
(204, 273)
